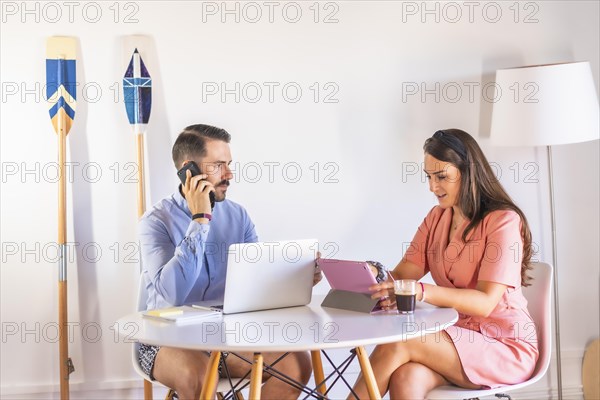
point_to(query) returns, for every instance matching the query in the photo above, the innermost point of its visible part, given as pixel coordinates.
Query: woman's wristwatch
(380, 271)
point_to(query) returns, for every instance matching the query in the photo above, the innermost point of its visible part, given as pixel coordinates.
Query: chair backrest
(140, 306)
(539, 298)
(142, 297)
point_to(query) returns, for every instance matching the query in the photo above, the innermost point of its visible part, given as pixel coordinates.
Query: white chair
(539, 297)
(223, 386)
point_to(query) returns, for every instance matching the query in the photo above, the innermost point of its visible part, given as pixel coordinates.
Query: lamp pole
(555, 271)
(566, 112)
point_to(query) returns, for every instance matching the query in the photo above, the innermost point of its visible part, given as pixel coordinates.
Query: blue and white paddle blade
(137, 91)
(61, 81)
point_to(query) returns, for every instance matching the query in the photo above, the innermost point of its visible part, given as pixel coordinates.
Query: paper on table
(164, 312)
(180, 314)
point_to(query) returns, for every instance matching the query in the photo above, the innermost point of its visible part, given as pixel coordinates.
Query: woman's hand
(318, 275)
(385, 292)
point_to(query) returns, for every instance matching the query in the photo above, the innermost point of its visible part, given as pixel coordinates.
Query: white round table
(294, 329)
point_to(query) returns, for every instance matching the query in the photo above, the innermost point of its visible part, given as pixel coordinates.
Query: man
(184, 247)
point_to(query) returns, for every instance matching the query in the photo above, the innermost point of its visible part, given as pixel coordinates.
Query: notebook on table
(180, 315)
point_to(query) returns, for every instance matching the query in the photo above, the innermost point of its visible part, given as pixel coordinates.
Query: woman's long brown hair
(480, 191)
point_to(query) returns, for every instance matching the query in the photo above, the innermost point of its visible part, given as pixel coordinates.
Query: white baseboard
(46, 392)
(7, 390)
(569, 393)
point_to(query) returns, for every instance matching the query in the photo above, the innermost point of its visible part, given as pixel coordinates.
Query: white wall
(367, 143)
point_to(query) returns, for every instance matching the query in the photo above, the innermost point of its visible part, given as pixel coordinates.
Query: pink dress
(502, 348)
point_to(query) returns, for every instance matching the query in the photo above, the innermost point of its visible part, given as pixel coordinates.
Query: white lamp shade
(545, 105)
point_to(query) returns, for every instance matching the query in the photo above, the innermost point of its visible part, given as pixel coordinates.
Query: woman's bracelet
(422, 291)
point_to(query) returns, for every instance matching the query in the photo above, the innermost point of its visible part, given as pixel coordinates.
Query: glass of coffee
(406, 292)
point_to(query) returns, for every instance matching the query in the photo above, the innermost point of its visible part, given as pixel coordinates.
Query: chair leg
(318, 373)
(209, 385)
(239, 396)
(367, 371)
(147, 390)
(171, 395)
(256, 377)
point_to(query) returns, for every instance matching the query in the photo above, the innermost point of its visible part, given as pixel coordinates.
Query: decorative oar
(60, 90)
(137, 90)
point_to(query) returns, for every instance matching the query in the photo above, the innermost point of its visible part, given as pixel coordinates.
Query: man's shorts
(147, 356)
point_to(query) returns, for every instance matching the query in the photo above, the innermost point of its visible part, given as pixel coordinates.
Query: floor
(129, 394)
(137, 393)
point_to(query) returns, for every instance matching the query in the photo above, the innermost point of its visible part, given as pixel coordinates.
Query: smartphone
(193, 167)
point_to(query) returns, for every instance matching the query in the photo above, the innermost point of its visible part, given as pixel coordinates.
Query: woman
(477, 245)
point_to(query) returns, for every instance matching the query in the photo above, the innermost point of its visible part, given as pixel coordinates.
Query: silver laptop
(267, 275)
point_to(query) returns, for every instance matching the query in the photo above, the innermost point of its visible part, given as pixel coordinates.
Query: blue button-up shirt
(184, 261)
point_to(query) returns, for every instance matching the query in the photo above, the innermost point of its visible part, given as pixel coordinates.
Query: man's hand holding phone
(196, 190)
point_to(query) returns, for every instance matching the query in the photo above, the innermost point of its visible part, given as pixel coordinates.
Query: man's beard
(221, 197)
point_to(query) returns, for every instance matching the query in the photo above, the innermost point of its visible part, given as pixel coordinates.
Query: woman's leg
(413, 381)
(435, 351)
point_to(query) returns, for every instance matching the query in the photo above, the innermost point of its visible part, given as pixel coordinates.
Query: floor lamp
(546, 105)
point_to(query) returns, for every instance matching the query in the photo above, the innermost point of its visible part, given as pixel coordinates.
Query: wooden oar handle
(62, 187)
(140, 185)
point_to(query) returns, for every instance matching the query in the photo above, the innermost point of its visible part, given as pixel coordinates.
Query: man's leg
(181, 370)
(184, 371)
(295, 365)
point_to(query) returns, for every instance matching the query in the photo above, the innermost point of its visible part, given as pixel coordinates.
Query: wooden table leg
(318, 371)
(256, 377)
(212, 376)
(367, 371)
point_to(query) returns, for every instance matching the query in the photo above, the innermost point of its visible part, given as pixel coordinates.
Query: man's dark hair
(191, 142)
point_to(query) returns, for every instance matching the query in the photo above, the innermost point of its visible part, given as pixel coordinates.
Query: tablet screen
(353, 276)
